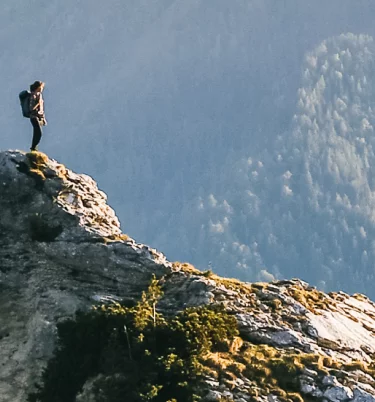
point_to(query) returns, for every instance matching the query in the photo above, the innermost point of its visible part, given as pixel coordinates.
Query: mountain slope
(170, 89)
(304, 207)
(62, 251)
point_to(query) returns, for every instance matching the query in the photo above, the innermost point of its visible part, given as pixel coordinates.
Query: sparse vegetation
(207, 273)
(116, 238)
(34, 167)
(135, 353)
(37, 160)
(312, 299)
(230, 283)
(185, 267)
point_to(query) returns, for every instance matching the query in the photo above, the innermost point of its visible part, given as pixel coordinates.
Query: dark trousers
(37, 132)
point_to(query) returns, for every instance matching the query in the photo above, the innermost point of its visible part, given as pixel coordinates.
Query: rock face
(62, 249)
(331, 334)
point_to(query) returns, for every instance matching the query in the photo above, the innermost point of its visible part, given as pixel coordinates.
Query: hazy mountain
(163, 102)
(306, 206)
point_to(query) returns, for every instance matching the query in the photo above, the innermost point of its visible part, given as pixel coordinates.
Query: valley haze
(237, 135)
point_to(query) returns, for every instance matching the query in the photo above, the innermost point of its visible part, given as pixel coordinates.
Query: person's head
(37, 86)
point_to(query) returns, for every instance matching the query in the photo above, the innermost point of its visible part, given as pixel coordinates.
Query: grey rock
(62, 249)
(338, 393)
(330, 380)
(272, 398)
(308, 386)
(213, 396)
(362, 396)
(212, 383)
(54, 260)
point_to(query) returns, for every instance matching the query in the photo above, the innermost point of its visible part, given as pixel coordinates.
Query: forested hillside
(184, 113)
(305, 207)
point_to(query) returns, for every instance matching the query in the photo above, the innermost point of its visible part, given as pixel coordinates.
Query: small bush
(135, 352)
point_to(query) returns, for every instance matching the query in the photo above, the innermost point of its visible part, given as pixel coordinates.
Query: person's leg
(37, 133)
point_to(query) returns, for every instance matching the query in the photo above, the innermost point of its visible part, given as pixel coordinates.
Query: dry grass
(360, 297)
(275, 304)
(219, 360)
(312, 299)
(295, 397)
(37, 174)
(37, 162)
(236, 345)
(229, 283)
(37, 159)
(120, 238)
(357, 365)
(275, 370)
(185, 267)
(328, 344)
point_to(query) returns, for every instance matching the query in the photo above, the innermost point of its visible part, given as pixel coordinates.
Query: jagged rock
(45, 278)
(362, 396)
(62, 249)
(330, 380)
(338, 393)
(308, 386)
(213, 396)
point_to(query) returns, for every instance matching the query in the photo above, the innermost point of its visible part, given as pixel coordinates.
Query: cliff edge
(62, 250)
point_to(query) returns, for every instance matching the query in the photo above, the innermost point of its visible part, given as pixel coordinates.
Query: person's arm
(34, 102)
(36, 106)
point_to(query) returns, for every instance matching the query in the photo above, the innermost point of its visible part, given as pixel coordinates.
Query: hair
(36, 85)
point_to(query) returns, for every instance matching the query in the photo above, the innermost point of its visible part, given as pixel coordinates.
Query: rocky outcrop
(62, 250)
(329, 338)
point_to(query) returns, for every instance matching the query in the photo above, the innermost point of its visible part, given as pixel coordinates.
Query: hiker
(37, 117)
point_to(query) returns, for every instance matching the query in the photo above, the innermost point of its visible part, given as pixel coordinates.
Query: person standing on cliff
(37, 117)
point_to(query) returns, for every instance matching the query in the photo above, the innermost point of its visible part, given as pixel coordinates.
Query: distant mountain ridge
(305, 206)
(172, 90)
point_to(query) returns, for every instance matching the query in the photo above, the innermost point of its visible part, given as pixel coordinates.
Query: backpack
(24, 97)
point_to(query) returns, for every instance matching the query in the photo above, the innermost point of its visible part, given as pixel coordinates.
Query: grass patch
(229, 283)
(116, 238)
(312, 299)
(185, 267)
(37, 160)
(34, 167)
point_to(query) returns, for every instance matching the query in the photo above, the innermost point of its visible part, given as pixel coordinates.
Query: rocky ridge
(62, 250)
(326, 341)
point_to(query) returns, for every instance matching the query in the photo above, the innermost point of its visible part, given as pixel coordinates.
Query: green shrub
(139, 354)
